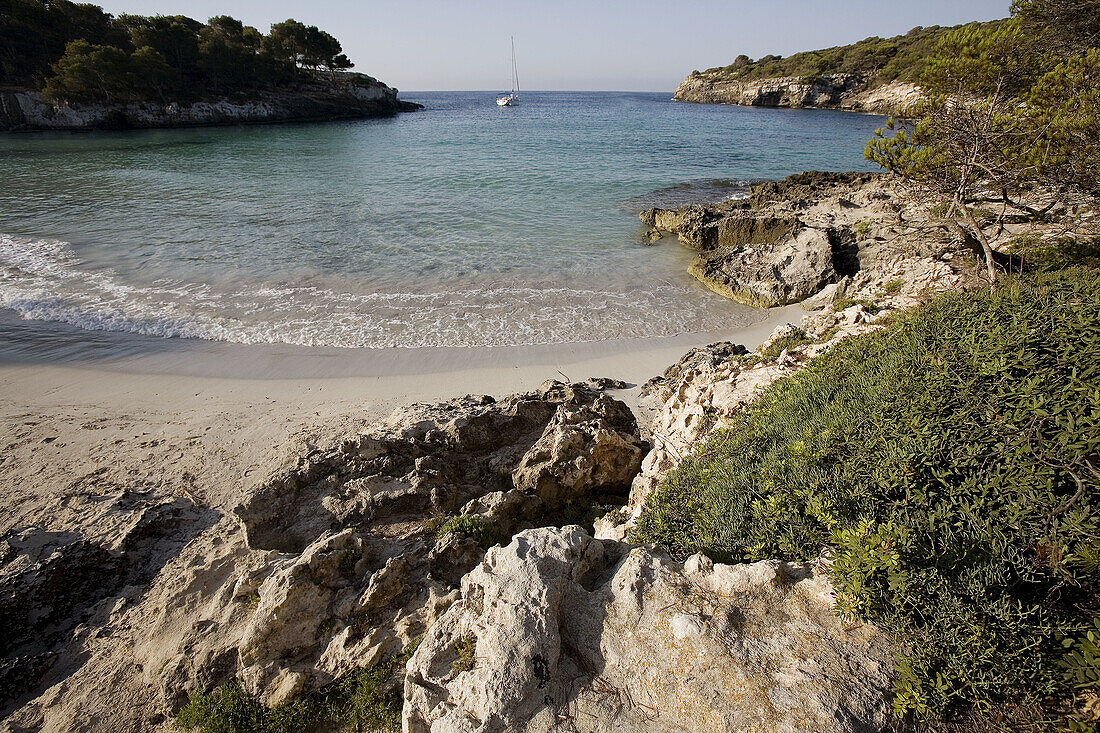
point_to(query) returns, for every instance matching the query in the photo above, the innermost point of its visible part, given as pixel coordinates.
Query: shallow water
(463, 224)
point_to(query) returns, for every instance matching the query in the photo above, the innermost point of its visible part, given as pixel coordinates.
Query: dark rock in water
(705, 191)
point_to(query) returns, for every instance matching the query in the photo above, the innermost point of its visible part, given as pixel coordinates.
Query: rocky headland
(813, 234)
(853, 92)
(351, 96)
(477, 557)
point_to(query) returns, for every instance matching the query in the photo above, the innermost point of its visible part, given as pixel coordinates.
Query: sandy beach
(201, 423)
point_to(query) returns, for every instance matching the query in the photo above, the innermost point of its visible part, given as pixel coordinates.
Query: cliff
(855, 92)
(873, 75)
(353, 96)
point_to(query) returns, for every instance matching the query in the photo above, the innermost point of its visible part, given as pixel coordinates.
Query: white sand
(203, 421)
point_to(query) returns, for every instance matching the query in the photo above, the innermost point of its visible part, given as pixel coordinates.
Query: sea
(461, 225)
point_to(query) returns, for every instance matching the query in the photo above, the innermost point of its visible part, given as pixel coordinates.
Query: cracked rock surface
(570, 633)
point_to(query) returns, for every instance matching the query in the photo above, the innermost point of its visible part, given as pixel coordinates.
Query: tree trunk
(987, 249)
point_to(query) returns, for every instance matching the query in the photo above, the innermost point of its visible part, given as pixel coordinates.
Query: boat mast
(515, 71)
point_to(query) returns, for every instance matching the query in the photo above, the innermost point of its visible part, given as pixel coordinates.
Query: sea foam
(44, 280)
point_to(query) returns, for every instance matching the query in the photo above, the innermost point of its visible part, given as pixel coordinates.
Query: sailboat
(510, 99)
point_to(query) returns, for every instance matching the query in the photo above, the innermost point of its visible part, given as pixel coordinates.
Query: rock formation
(791, 239)
(347, 567)
(561, 632)
(852, 92)
(355, 96)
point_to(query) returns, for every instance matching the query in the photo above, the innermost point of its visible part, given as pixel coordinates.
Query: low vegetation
(76, 52)
(483, 532)
(364, 700)
(950, 468)
(900, 58)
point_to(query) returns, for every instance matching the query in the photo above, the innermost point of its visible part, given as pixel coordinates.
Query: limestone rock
(796, 237)
(574, 634)
(854, 92)
(56, 586)
(354, 96)
(347, 566)
(584, 449)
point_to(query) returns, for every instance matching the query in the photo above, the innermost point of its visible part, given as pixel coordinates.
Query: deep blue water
(461, 224)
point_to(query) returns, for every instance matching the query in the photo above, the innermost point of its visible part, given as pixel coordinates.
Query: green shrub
(1057, 254)
(842, 303)
(893, 287)
(952, 466)
(359, 701)
(797, 337)
(474, 527)
(348, 559)
(467, 654)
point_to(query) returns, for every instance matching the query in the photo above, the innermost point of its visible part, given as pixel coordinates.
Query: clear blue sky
(574, 44)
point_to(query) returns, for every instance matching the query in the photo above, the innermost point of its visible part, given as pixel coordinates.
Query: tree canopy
(1012, 117)
(77, 52)
(900, 58)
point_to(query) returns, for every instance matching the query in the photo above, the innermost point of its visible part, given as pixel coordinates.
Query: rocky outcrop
(708, 388)
(357, 546)
(561, 632)
(793, 238)
(56, 587)
(852, 92)
(353, 96)
(347, 563)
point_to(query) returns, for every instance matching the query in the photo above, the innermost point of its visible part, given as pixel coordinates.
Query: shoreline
(135, 354)
(229, 411)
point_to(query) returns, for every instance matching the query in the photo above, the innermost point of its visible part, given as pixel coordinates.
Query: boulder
(561, 632)
(788, 241)
(347, 563)
(585, 448)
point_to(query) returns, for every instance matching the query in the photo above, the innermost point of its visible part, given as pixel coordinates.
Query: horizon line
(537, 91)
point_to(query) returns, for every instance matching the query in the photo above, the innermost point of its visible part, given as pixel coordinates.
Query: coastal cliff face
(353, 96)
(851, 92)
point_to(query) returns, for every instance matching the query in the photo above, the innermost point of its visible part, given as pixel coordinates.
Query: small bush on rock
(474, 527)
(792, 340)
(363, 700)
(951, 464)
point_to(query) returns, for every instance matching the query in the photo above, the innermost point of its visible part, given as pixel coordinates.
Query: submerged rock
(561, 632)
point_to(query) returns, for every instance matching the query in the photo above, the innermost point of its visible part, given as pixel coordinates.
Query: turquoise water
(463, 224)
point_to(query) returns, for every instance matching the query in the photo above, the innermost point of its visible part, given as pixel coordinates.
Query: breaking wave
(44, 280)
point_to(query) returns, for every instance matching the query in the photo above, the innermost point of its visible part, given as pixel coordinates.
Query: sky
(614, 45)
